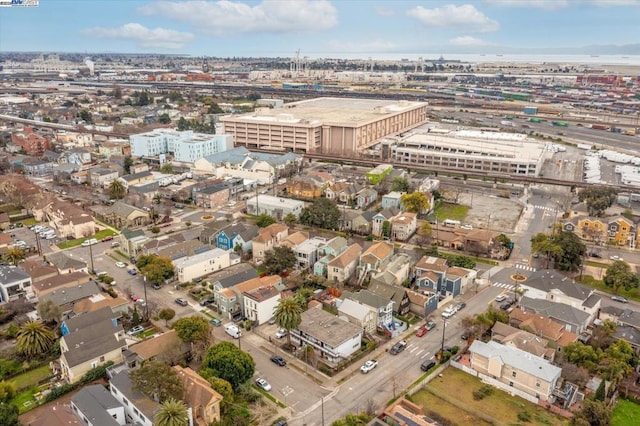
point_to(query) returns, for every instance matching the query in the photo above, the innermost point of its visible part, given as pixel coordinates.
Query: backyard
(626, 413)
(452, 392)
(599, 285)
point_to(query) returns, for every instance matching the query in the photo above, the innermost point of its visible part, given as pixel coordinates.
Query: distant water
(475, 58)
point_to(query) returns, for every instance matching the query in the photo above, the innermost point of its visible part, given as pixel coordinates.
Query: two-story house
(259, 303)
(396, 272)
(14, 284)
(123, 215)
(139, 408)
(433, 274)
(199, 396)
(379, 219)
(95, 406)
(362, 315)
(397, 294)
(617, 230)
(204, 263)
(326, 252)
(237, 235)
(268, 238)
(392, 200)
(90, 340)
(342, 267)
(307, 252)
(403, 226)
(381, 304)
(375, 258)
(232, 299)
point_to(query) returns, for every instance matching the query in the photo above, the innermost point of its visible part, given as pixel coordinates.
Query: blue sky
(317, 27)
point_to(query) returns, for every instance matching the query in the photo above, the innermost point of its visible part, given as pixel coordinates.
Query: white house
(342, 267)
(14, 283)
(259, 303)
(359, 314)
(276, 207)
(199, 265)
(139, 408)
(95, 406)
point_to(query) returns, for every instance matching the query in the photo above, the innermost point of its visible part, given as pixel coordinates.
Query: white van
(233, 331)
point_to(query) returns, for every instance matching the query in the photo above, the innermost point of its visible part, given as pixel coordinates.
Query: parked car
(107, 238)
(132, 272)
(449, 312)
(156, 286)
(619, 299)
(262, 383)
(182, 302)
(428, 365)
(207, 301)
(215, 322)
(369, 365)
(421, 331)
(465, 335)
(460, 305)
(281, 333)
(135, 330)
(507, 304)
(121, 264)
(500, 297)
(430, 325)
(614, 257)
(398, 347)
(141, 302)
(276, 359)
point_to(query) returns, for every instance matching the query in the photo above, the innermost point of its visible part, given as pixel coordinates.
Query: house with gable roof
(203, 400)
(433, 275)
(95, 406)
(376, 257)
(123, 215)
(378, 220)
(360, 314)
(343, 266)
(239, 234)
(397, 294)
(268, 238)
(382, 305)
(403, 226)
(327, 252)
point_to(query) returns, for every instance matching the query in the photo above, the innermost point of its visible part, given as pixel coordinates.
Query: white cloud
(369, 46)
(144, 37)
(467, 41)
(269, 16)
(614, 3)
(465, 17)
(383, 11)
(540, 4)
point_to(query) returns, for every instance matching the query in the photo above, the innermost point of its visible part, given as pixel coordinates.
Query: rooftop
(327, 328)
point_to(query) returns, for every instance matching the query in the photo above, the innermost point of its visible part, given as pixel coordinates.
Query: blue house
(326, 253)
(239, 234)
(392, 200)
(434, 275)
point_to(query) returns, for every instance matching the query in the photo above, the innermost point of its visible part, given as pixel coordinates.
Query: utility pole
(91, 257)
(322, 405)
(444, 326)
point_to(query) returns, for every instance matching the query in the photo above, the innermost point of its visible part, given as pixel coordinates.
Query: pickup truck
(398, 347)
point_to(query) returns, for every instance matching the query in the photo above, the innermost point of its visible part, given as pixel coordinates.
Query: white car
(449, 312)
(281, 333)
(262, 383)
(368, 366)
(121, 264)
(135, 330)
(614, 257)
(500, 298)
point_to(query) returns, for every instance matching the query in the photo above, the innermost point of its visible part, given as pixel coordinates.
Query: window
(537, 384)
(102, 359)
(94, 364)
(513, 374)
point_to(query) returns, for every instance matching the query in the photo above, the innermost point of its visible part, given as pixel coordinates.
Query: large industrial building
(337, 126)
(473, 150)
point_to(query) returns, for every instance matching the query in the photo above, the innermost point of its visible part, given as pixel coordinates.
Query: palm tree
(34, 338)
(288, 315)
(14, 255)
(117, 191)
(172, 413)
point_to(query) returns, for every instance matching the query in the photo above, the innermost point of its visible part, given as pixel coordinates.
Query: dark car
(398, 347)
(132, 272)
(465, 335)
(182, 302)
(156, 286)
(460, 305)
(276, 359)
(207, 301)
(507, 304)
(428, 365)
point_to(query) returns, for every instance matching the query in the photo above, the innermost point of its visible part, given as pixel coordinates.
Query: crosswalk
(546, 208)
(503, 285)
(525, 267)
(416, 351)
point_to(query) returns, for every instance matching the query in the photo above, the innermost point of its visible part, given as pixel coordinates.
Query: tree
(288, 315)
(278, 260)
(116, 190)
(221, 386)
(229, 363)
(582, 355)
(7, 392)
(322, 213)
(158, 381)
(597, 198)
(290, 219)
(462, 262)
(49, 312)
(360, 419)
(34, 338)
(14, 255)
(164, 119)
(128, 162)
(166, 169)
(9, 413)
(563, 247)
(155, 229)
(386, 229)
(85, 115)
(172, 413)
(264, 220)
(618, 275)
(593, 413)
(400, 184)
(192, 329)
(155, 268)
(167, 314)
(416, 202)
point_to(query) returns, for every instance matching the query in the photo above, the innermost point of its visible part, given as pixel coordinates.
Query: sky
(319, 28)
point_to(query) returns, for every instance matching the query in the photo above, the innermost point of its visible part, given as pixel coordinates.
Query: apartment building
(186, 146)
(617, 230)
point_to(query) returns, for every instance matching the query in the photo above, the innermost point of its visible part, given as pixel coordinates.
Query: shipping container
(600, 126)
(536, 120)
(561, 123)
(531, 110)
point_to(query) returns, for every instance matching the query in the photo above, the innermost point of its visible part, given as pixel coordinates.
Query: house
(66, 264)
(305, 187)
(295, 239)
(209, 232)
(362, 315)
(259, 303)
(30, 142)
(233, 298)
(14, 284)
(617, 230)
(523, 340)
(123, 215)
(183, 249)
(212, 196)
(118, 305)
(203, 400)
(396, 272)
(131, 241)
(392, 200)
(139, 408)
(102, 177)
(403, 413)
(357, 221)
(136, 179)
(422, 303)
(36, 167)
(307, 252)
(382, 305)
(237, 235)
(228, 278)
(403, 226)
(397, 294)
(47, 285)
(514, 369)
(166, 347)
(376, 175)
(90, 340)
(342, 267)
(38, 270)
(375, 258)
(379, 219)
(202, 264)
(95, 406)
(68, 219)
(333, 338)
(163, 242)
(268, 238)
(276, 207)
(66, 298)
(552, 286)
(433, 274)
(573, 319)
(326, 252)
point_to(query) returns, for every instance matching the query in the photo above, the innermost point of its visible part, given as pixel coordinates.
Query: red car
(421, 331)
(108, 238)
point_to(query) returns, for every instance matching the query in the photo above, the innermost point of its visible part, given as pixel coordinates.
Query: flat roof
(332, 111)
(327, 328)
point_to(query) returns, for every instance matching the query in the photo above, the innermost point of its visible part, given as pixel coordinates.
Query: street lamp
(444, 326)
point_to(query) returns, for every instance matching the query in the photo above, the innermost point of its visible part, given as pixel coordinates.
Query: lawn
(442, 409)
(459, 386)
(98, 236)
(31, 378)
(451, 211)
(599, 285)
(626, 413)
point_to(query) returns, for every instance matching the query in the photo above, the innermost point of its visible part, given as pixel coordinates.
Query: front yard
(590, 281)
(98, 236)
(456, 388)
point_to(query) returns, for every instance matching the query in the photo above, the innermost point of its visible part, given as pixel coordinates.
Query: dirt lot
(491, 212)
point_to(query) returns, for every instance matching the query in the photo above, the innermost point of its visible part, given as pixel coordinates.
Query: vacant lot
(626, 413)
(504, 409)
(491, 212)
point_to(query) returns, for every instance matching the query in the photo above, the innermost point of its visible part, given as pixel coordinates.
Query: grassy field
(599, 285)
(442, 409)
(31, 378)
(504, 408)
(626, 413)
(98, 236)
(451, 211)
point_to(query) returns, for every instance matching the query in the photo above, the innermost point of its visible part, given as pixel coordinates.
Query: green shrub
(9, 368)
(524, 416)
(454, 350)
(483, 392)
